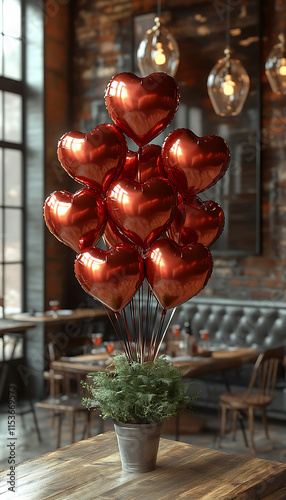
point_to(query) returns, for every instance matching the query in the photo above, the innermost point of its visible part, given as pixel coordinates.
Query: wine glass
(204, 335)
(109, 346)
(97, 339)
(176, 330)
(54, 307)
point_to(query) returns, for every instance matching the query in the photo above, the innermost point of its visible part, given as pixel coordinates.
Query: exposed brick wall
(57, 122)
(102, 48)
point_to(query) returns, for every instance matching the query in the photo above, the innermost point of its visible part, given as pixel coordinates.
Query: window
(12, 135)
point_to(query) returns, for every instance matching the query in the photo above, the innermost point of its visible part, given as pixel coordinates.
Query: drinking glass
(54, 307)
(97, 339)
(176, 330)
(109, 346)
(204, 335)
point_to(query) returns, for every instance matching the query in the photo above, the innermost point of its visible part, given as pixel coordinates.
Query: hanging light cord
(228, 25)
(159, 8)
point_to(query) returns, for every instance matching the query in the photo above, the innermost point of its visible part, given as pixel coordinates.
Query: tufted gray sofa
(250, 324)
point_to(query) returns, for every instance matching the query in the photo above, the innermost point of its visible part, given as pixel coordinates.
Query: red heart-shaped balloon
(144, 164)
(113, 235)
(77, 219)
(142, 211)
(142, 107)
(94, 159)
(194, 164)
(176, 274)
(197, 222)
(112, 277)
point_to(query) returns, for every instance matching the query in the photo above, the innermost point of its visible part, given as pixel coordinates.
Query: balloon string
(153, 335)
(105, 242)
(115, 329)
(165, 331)
(156, 337)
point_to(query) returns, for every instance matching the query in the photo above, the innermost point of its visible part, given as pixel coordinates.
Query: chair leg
(59, 429)
(241, 421)
(251, 426)
(234, 419)
(72, 426)
(177, 421)
(88, 418)
(264, 419)
(35, 421)
(222, 423)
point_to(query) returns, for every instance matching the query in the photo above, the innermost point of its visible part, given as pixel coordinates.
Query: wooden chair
(65, 389)
(72, 346)
(258, 396)
(63, 404)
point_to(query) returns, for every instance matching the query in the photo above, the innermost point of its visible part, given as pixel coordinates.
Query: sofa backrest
(251, 324)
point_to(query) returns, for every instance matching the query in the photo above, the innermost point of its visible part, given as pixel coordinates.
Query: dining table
(47, 325)
(193, 366)
(61, 316)
(91, 469)
(13, 328)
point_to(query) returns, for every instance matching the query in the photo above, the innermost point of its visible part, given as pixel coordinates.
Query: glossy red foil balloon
(113, 236)
(94, 159)
(142, 165)
(142, 107)
(78, 219)
(112, 277)
(176, 274)
(142, 211)
(194, 164)
(197, 222)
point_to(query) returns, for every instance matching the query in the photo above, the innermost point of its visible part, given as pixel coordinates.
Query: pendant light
(228, 81)
(275, 67)
(158, 50)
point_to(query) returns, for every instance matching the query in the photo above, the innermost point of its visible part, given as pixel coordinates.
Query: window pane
(13, 177)
(1, 292)
(13, 288)
(1, 235)
(12, 17)
(1, 114)
(13, 235)
(1, 59)
(1, 176)
(12, 117)
(12, 58)
(1, 7)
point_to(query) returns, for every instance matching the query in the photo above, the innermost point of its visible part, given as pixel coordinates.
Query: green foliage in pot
(131, 392)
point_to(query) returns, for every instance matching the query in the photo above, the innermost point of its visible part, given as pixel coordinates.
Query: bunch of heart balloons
(143, 204)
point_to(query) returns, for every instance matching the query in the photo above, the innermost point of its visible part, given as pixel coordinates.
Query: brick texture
(102, 47)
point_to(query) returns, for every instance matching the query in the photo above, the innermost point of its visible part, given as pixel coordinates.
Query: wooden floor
(201, 428)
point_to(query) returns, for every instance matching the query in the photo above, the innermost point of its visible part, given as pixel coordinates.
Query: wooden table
(12, 327)
(194, 367)
(48, 319)
(46, 328)
(8, 325)
(91, 469)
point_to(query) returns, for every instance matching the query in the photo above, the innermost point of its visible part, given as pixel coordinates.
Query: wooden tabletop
(8, 325)
(92, 469)
(63, 316)
(194, 366)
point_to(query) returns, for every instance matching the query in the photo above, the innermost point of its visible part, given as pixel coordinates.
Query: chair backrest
(71, 347)
(264, 373)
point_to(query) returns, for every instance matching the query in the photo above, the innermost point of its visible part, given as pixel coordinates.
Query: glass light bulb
(275, 67)
(228, 86)
(158, 51)
(282, 69)
(159, 55)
